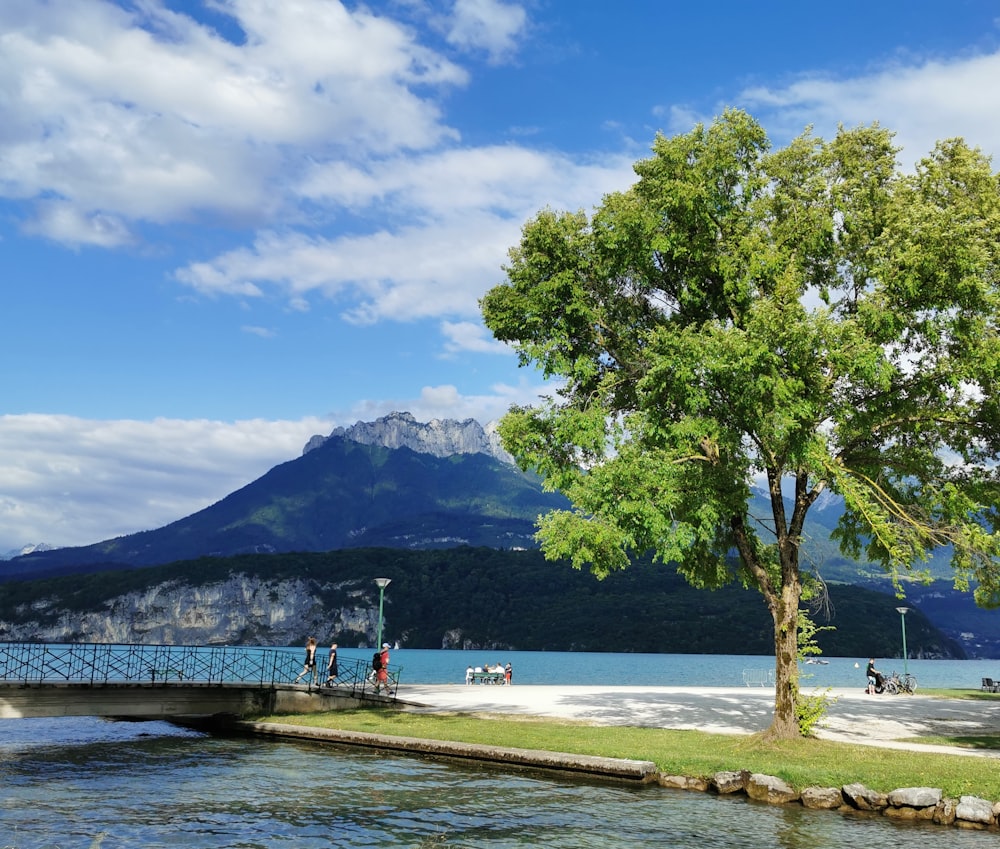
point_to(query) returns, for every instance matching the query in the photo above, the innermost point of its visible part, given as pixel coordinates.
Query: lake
(419, 666)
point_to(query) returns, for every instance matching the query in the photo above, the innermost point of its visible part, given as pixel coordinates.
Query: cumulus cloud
(448, 220)
(144, 114)
(921, 102)
(487, 25)
(469, 336)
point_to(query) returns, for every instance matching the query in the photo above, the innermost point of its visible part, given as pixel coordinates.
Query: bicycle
(895, 684)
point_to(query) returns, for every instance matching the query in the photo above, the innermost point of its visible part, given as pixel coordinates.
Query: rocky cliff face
(238, 610)
(439, 437)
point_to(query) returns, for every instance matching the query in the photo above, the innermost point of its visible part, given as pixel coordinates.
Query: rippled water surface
(91, 783)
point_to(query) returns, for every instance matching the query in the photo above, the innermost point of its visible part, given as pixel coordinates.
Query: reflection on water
(86, 782)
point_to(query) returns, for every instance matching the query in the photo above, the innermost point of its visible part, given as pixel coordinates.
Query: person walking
(508, 673)
(332, 670)
(382, 671)
(309, 668)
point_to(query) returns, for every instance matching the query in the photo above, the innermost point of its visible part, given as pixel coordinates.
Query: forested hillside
(476, 597)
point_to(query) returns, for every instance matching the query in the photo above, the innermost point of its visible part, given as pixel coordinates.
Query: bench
(758, 677)
(487, 678)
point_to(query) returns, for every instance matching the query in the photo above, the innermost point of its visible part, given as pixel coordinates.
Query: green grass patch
(975, 695)
(982, 742)
(802, 763)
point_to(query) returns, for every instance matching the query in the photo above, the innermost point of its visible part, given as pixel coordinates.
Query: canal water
(84, 782)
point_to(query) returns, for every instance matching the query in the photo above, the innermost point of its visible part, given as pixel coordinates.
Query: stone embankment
(907, 803)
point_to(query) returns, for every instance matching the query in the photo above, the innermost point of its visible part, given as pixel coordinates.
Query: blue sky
(228, 225)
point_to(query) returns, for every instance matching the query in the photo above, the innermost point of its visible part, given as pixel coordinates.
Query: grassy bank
(802, 763)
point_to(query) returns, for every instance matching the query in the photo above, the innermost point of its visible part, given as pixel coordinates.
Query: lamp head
(382, 583)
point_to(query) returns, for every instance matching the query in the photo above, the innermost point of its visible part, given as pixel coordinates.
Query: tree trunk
(785, 725)
(783, 604)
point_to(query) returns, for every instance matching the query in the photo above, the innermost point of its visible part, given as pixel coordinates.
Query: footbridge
(140, 681)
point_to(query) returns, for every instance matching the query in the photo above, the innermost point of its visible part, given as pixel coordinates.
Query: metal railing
(110, 664)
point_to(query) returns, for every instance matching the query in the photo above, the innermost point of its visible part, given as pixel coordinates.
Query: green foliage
(809, 316)
(810, 709)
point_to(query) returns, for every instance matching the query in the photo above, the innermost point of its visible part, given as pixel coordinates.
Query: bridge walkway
(45, 679)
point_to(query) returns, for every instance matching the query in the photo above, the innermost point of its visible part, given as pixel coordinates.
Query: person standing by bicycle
(873, 676)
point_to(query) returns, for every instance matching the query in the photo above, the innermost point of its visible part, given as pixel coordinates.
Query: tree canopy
(805, 319)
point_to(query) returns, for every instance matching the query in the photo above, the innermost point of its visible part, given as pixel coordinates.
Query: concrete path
(852, 716)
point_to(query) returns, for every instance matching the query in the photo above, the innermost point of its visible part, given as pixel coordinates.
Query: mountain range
(394, 482)
(392, 485)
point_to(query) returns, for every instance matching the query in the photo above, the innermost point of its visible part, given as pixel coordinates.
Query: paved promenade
(852, 717)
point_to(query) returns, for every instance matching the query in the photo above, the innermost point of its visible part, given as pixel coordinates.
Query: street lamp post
(381, 583)
(902, 611)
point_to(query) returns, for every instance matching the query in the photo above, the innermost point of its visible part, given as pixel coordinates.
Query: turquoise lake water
(419, 666)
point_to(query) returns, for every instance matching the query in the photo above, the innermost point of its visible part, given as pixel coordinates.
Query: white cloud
(70, 225)
(149, 115)
(468, 336)
(487, 25)
(262, 332)
(922, 103)
(411, 274)
(71, 481)
(448, 218)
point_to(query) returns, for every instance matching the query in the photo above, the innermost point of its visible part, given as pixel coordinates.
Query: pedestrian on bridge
(332, 671)
(382, 668)
(309, 669)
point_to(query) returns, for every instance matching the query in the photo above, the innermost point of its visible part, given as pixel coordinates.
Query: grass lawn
(802, 763)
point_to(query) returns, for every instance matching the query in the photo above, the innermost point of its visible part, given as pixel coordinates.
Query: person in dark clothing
(309, 668)
(873, 676)
(332, 671)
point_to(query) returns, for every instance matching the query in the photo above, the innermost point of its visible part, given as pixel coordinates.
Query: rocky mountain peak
(439, 437)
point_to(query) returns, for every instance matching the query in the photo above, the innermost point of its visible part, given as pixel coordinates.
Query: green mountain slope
(341, 495)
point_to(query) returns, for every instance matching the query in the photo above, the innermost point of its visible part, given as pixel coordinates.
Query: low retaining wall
(618, 768)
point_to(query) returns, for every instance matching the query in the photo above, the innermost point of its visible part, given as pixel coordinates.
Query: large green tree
(812, 318)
